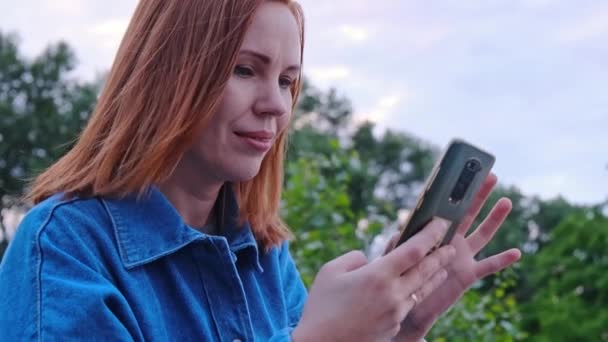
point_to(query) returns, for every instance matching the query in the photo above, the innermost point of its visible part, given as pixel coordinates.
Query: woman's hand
(353, 300)
(464, 270)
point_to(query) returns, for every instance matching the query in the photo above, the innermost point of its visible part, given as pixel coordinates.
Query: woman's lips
(258, 140)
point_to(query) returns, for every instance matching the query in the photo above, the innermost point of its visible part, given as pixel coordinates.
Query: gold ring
(414, 298)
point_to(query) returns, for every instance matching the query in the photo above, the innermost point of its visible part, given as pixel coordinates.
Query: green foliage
(571, 283)
(330, 112)
(490, 316)
(530, 222)
(41, 112)
(394, 167)
(317, 208)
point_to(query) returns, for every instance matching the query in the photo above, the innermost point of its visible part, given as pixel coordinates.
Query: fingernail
(451, 251)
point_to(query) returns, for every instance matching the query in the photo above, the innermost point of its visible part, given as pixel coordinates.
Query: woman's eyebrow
(267, 60)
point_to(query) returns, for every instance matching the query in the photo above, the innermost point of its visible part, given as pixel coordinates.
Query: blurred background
(388, 84)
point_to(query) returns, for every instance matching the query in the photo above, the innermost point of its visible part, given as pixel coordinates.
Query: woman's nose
(271, 100)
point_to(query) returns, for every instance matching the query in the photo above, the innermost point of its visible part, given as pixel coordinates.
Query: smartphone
(455, 180)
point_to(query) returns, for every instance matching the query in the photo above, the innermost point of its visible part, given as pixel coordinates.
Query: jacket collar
(149, 227)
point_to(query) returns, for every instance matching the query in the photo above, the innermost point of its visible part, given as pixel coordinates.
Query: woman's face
(256, 103)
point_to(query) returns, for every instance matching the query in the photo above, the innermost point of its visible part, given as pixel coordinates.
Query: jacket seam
(39, 256)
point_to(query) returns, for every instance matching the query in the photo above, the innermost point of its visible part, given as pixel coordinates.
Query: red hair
(163, 88)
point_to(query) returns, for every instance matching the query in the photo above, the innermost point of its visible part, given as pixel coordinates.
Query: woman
(162, 222)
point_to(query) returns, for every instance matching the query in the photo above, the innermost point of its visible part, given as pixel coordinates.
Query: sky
(525, 79)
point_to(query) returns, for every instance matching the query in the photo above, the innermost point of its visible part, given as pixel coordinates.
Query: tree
(42, 110)
(571, 282)
(392, 166)
(490, 315)
(527, 227)
(317, 208)
(328, 112)
(396, 165)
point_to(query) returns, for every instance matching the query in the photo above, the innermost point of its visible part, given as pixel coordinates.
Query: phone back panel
(435, 200)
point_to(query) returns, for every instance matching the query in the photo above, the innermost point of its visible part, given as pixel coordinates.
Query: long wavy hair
(165, 83)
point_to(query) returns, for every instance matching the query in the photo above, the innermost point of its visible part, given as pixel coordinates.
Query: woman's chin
(245, 172)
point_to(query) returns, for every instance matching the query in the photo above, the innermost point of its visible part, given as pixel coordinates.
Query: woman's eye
(243, 71)
(285, 82)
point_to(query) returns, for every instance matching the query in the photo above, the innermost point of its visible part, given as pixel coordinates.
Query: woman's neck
(192, 197)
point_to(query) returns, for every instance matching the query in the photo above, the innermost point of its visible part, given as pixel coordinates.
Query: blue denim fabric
(131, 270)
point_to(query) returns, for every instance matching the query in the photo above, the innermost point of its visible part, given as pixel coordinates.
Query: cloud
(110, 32)
(592, 26)
(354, 33)
(113, 27)
(549, 184)
(329, 74)
(420, 37)
(388, 102)
(384, 107)
(65, 8)
(537, 4)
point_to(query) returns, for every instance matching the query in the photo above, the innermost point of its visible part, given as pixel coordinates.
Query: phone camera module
(473, 165)
(471, 168)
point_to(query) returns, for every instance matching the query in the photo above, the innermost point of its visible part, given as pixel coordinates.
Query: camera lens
(458, 192)
(472, 165)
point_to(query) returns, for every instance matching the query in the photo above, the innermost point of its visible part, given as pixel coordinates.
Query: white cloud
(422, 37)
(389, 102)
(65, 8)
(549, 184)
(354, 33)
(384, 107)
(110, 32)
(592, 26)
(328, 74)
(112, 27)
(537, 4)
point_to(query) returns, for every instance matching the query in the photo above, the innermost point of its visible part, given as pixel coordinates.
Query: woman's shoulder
(70, 225)
(58, 213)
(61, 244)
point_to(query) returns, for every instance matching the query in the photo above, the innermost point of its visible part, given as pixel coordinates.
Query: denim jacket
(100, 269)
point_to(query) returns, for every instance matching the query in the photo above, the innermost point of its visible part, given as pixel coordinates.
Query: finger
(478, 202)
(391, 243)
(413, 250)
(486, 230)
(416, 276)
(347, 262)
(428, 288)
(496, 263)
